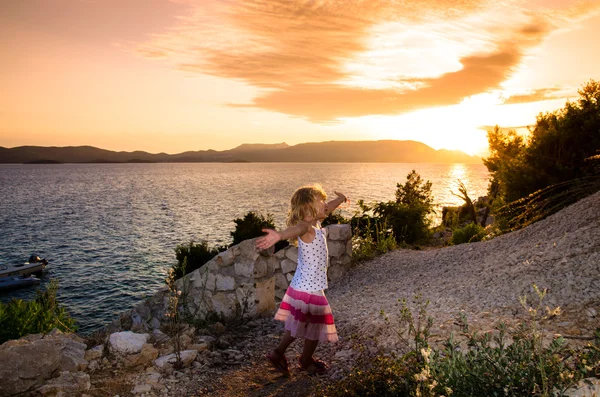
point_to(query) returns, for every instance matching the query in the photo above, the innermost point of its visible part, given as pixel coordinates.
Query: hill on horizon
(386, 151)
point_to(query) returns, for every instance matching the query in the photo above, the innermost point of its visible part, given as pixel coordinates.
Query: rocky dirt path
(485, 280)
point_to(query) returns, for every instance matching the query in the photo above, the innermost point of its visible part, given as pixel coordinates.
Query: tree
(415, 192)
(561, 141)
(408, 216)
(555, 151)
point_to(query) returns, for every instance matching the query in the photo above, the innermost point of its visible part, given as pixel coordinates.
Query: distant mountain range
(334, 151)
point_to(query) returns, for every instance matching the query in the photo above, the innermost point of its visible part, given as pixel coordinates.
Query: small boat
(7, 283)
(35, 265)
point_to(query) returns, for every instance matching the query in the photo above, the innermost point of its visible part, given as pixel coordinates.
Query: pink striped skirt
(307, 315)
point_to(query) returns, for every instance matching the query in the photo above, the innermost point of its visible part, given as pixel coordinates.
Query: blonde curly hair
(304, 203)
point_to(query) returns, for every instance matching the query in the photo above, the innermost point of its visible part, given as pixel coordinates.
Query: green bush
(335, 218)
(508, 361)
(366, 245)
(41, 315)
(381, 226)
(453, 216)
(409, 224)
(513, 361)
(197, 254)
(469, 233)
(250, 226)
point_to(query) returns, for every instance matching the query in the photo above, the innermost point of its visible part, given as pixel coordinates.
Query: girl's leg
(286, 340)
(277, 356)
(307, 353)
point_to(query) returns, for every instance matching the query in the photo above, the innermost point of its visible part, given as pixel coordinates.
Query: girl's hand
(341, 195)
(268, 240)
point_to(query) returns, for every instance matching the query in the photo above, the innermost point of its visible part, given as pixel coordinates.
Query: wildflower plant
(173, 313)
(504, 361)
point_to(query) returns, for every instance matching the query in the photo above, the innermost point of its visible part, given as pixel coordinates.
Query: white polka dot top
(313, 260)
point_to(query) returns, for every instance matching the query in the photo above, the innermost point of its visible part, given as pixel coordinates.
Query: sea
(109, 231)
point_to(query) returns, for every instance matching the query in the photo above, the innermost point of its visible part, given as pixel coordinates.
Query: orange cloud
(298, 52)
(326, 102)
(543, 94)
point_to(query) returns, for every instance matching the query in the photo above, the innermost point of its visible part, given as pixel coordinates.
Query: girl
(304, 308)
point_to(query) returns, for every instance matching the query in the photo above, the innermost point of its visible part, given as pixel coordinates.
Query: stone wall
(241, 281)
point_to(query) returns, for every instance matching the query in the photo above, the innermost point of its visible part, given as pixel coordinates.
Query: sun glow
(453, 127)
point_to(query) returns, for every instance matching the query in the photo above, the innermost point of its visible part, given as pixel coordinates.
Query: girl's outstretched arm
(333, 204)
(274, 236)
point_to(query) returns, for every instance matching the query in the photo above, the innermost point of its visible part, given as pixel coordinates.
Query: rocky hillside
(560, 253)
(485, 280)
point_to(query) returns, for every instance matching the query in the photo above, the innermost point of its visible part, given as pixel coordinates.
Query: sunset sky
(177, 75)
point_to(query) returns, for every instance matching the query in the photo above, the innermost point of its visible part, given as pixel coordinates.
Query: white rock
(126, 342)
(209, 340)
(343, 354)
(93, 365)
(94, 353)
(143, 388)
(187, 357)
(198, 347)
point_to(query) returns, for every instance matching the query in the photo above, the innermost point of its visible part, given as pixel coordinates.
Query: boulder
(187, 357)
(33, 362)
(264, 297)
(225, 258)
(94, 353)
(288, 266)
(292, 253)
(258, 298)
(66, 383)
(147, 354)
(280, 281)
(126, 342)
(336, 248)
(225, 283)
(199, 347)
(224, 303)
(339, 232)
